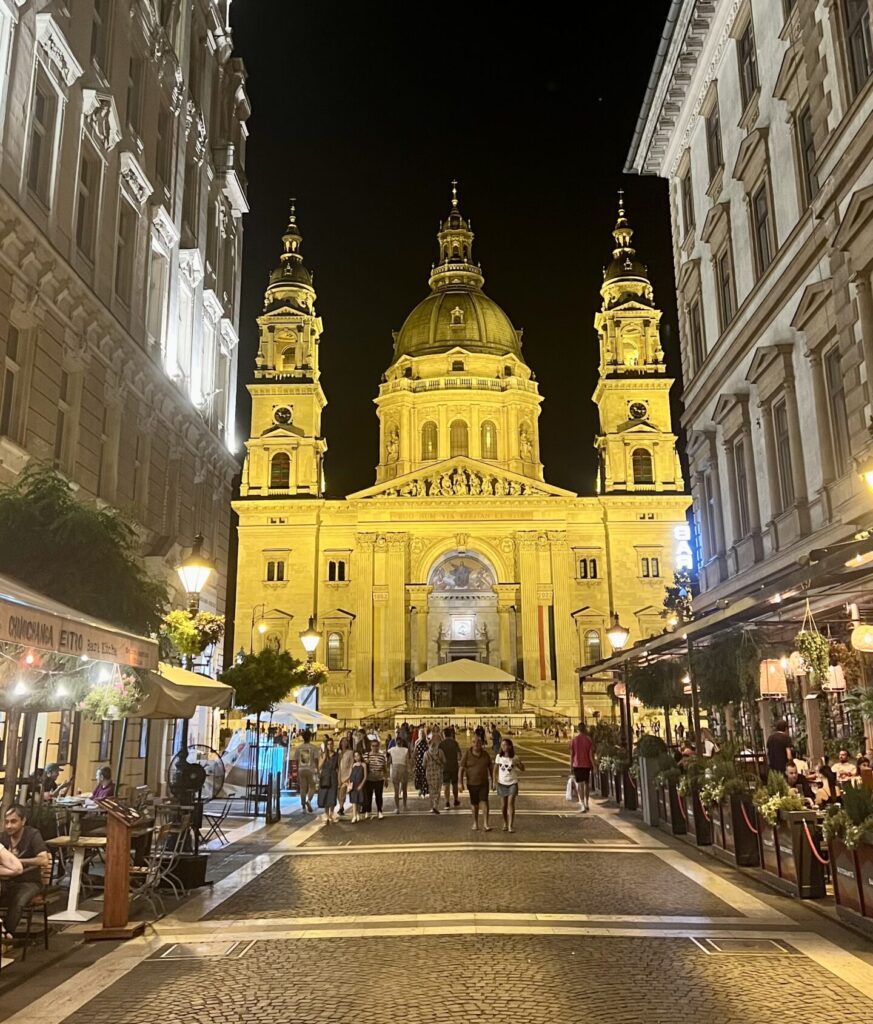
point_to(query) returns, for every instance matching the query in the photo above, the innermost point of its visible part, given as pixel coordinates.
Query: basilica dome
(457, 313)
(457, 318)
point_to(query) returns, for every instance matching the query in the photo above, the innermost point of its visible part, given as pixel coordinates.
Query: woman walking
(357, 779)
(328, 781)
(507, 768)
(420, 752)
(346, 760)
(377, 773)
(398, 758)
(434, 766)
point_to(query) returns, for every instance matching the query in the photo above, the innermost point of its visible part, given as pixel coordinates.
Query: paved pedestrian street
(583, 917)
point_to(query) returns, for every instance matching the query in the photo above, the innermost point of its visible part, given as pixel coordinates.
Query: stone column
(798, 465)
(527, 564)
(865, 316)
(418, 615)
(364, 692)
(507, 596)
(565, 655)
(751, 475)
(822, 417)
(394, 657)
(733, 496)
(772, 468)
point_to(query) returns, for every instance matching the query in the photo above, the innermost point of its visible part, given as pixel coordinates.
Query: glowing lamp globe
(310, 637)
(617, 634)
(862, 638)
(195, 571)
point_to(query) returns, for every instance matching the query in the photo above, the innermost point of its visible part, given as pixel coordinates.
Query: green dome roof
(457, 318)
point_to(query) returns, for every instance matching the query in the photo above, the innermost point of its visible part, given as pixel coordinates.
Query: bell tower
(636, 445)
(285, 450)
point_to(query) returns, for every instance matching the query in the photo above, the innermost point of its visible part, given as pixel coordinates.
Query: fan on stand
(194, 777)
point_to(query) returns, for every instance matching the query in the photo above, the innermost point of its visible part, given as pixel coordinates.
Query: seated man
(105, 787)
(799, 783)
(25, 845)
(51, 788)
(845, 767)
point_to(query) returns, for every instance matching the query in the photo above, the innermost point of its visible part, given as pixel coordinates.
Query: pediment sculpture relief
(461, 482)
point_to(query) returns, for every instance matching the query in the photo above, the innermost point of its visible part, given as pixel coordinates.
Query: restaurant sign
(46, 631)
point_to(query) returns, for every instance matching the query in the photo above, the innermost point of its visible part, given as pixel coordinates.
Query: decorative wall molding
(133, 179)
(55, 52)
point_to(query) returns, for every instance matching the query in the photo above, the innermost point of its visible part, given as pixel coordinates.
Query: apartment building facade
(122, 191)
(758, 113)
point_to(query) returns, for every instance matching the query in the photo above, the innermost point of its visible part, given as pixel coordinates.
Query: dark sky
(366, 111)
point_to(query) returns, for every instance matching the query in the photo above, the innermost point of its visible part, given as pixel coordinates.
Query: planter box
(604, 785)
(674, 819)
(864, 857)
(798, 870)
(630, 788)
(616, 781)
(738, 839)
(846, 876)
(699, 825)
(648, 791)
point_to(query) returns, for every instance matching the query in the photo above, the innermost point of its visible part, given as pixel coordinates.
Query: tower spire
(454, 193)
(455, 266)
(291, 282)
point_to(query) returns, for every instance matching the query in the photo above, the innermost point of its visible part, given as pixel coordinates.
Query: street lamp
(310, 638)
(865, 471)
(194, 572)
(618, 636)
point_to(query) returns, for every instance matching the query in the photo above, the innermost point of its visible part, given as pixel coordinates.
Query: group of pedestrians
(357, 769)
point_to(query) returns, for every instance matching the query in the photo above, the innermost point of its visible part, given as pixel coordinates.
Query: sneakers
(448, 805)
(397, 810)
(433, 810)
(381, 815)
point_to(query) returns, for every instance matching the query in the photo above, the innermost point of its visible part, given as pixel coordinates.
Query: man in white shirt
(308, 757)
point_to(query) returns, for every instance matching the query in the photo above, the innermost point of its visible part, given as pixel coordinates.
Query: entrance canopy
(464, 670)
(34, 620)
(173, 692)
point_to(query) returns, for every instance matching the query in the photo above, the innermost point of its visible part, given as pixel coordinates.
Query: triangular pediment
(462, 477)
(638, 427)
(280, 430)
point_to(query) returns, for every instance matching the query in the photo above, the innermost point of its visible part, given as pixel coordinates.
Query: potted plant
(650, 750)
(787, 842)
(726, 794)
(668, 779)
(848, 832)
(112, 700)
(697, 818)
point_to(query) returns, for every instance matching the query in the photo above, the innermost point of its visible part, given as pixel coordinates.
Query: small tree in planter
(848, 832)
(697, 818)
(791, 856)
(727, 794)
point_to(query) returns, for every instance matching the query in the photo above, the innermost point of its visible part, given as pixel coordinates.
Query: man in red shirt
(581, 749)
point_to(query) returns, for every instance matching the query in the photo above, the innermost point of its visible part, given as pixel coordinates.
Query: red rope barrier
(703, 809)
(682, 806)
(630, 779)
(815, 852)
(751, 827)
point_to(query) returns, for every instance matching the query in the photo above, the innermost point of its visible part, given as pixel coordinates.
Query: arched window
(642, 466)
(280, 471)
(592, 646)
(336, 652)
(488, 440)
(459, 441)
(289, 358)
(429, 441)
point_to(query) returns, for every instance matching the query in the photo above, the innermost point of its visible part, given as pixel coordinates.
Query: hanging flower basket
(111, 701)
(813, 648)
(313, 673)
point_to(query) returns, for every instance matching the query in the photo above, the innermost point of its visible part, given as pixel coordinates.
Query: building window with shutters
(429, 441)
(458, 438)
(280, 471)
(336, 652)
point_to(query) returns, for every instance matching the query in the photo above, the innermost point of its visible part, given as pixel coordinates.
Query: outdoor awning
(465, 670)
(289, 711)
(34, 620)
(173, 692)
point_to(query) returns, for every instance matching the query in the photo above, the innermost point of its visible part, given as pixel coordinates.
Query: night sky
(366, 111)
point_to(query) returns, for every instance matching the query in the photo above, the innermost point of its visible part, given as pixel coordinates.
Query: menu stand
(120, 820)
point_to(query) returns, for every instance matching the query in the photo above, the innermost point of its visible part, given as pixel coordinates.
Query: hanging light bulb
(83, 657)
(29, 658)
(104, 676)
(61, 691)
(20, 688)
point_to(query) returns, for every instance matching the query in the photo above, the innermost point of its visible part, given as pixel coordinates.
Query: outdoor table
(78, 846)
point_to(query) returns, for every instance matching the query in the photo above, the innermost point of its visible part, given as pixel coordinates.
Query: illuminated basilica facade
(461, 567)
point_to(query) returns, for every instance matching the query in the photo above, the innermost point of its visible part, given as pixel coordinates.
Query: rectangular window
(583, 568)
(276, 571)
(212, 236)
(592, 568)
(687, 194)
(191, 200)
(739, 454)
(10, 380)
(102, 442)
(783, 454)
(87, 200)
(857, 18)
(655, 564)
(713, 141)
(156, 310)
(709, 516)
(806, 146)
(42, 140)
(724, 271)
(834, 382)
(62, 420)
(164, 148)
(184, 339)
(135, 79)
(695, 330)
(125, 251)
(100, 33)
(644, 567)
(748, 61)
(336, 571)
(762, 227)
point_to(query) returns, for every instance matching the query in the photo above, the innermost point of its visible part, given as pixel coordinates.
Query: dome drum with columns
(460, 552)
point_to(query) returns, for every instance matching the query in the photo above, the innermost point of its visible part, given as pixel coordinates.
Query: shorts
(478, 794)
(450, 777)
(506, 791)
(582, 774)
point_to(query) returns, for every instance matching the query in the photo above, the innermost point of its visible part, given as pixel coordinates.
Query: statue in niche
(475, 484)
(392, 445)
(413, 489)
(487, 485)
(459, 482)
(445, 485)
(525, 445)
(499, 487)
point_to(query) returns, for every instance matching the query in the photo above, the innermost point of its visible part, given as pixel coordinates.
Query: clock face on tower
(637, 410)
(282, 414)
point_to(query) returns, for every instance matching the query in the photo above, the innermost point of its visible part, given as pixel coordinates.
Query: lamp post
(194, 572)
(618, 635)
(865, 471)
(310, 638)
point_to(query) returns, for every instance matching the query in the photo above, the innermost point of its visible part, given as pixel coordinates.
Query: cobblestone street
(584, 917)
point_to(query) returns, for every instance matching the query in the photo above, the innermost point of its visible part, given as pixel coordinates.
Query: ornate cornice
(54, 50)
